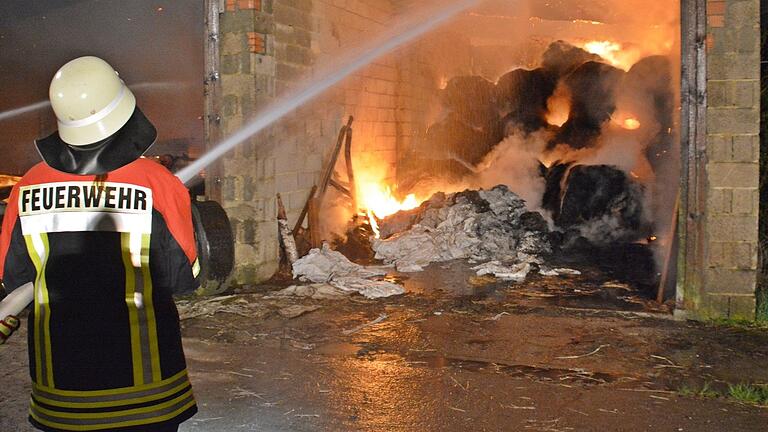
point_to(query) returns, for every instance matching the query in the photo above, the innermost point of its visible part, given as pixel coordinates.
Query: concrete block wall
(732, 169)
(267, 48)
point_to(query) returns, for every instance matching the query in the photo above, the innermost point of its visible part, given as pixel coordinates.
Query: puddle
(565, 376)
(372, 352)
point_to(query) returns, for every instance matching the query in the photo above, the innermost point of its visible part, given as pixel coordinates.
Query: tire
(213, 238)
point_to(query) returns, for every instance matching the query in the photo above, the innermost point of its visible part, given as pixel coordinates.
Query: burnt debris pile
(491, 227)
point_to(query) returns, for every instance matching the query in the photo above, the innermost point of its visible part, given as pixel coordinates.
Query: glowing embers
(626, 121)
(559, 107)
(631, 124)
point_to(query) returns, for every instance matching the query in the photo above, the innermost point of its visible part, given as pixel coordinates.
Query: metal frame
(693, 142)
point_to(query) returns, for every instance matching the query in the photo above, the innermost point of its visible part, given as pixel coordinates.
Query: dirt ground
(456, 353)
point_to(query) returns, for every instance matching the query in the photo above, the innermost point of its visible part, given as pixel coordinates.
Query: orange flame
(559, 107)
(631, 124)
(613, 52)
(626, 121)
(378, 201)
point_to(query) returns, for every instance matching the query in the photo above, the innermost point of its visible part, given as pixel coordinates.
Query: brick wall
(733, 110)
(267, 48)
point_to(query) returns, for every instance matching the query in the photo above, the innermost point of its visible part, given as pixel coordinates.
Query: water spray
(15, 303)
(23, 110)
(5, 115)
(392, 39)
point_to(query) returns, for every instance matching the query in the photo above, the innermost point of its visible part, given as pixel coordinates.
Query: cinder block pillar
(732, 160)
(247, 175)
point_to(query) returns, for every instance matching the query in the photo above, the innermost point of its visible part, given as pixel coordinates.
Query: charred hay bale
(593, 87)
(523, 94)
(649, 84)
(648, 94)
(472, 99)
(452, 137)
(562, 58)
(553, 178)
(602, 204)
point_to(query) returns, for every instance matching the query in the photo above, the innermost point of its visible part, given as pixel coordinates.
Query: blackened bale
(523, 94)
(648, 93)
(601, 203)
(593, 87)
(452, 137)
(472, 99)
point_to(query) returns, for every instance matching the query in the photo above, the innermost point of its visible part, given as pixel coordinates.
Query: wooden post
(350, 171)
(314, 222)
(668, 262)
(304, 211)
(289, 243)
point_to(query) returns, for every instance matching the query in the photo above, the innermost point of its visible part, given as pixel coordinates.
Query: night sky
(146, 41)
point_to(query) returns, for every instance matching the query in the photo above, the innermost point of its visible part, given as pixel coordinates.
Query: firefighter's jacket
(104, 254)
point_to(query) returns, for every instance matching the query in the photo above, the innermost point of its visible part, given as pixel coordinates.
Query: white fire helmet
(90, 101)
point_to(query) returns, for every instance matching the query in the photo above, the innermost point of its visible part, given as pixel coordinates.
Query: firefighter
(105, 236)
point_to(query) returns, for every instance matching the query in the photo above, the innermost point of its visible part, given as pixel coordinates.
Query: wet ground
(457, 353)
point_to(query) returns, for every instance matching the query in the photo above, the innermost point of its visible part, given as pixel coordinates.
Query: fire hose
(215, 249)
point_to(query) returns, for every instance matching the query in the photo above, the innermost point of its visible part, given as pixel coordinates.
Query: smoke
(515, 163)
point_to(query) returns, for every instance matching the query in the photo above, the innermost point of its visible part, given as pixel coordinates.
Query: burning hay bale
(484, 225)
(562, 58)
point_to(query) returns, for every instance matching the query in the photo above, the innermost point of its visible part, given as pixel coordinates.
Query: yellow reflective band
(47, 306)
(154, 347)
(196, 267)
(112, 404)
(107, 426)
(107, 415)
(133, 315)
(110, 392)
(42, 309)
(36, 306)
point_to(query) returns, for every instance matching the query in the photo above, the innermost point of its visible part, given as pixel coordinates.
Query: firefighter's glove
(7, 326)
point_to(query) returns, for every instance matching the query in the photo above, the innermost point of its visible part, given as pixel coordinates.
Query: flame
(374, 223)
(613, 52)
(559, 107)
(631, 124)
(626, 121)
(378, 202)
(558, 113)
